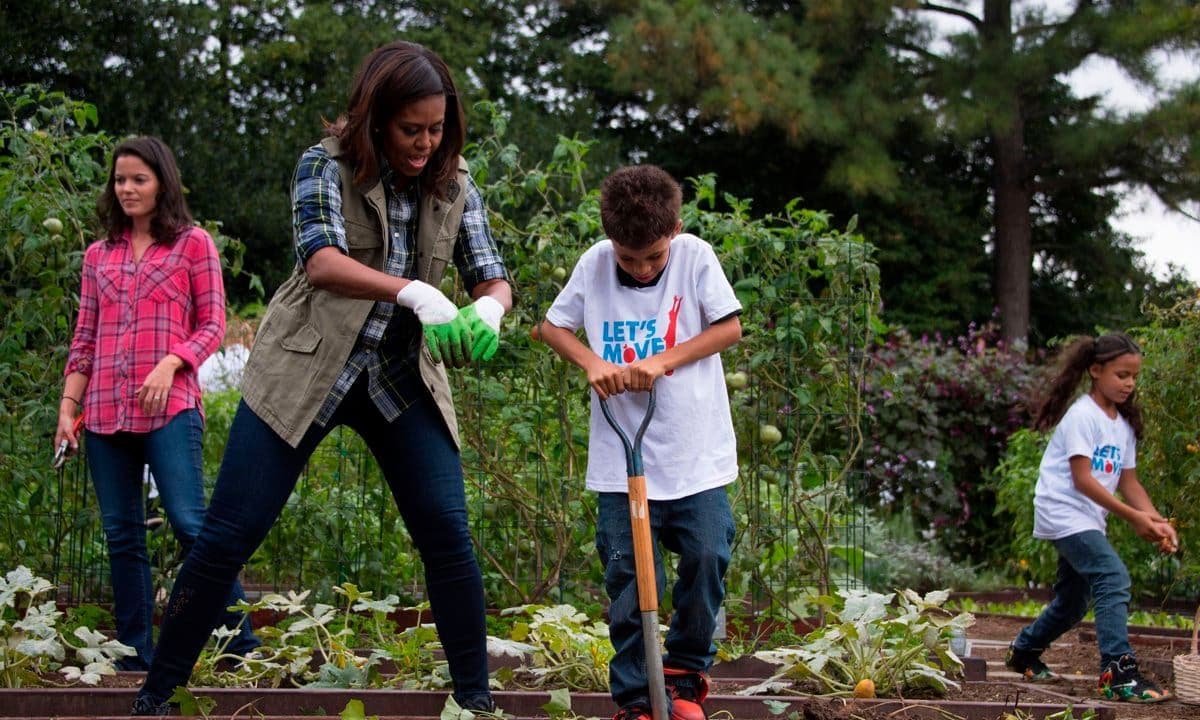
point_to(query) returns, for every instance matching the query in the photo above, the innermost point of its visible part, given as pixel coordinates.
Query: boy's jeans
(419, 461)
(116, 463)
(1088, 567)
(699, 528)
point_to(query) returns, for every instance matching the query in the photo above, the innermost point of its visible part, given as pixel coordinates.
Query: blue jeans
(419, 461)
(699, 528)
(1088, 568)
(116, 462)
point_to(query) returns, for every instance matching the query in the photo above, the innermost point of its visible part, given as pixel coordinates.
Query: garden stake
(643, 557)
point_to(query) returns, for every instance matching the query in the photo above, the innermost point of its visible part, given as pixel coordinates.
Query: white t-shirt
(1061, 510)
(689, 446)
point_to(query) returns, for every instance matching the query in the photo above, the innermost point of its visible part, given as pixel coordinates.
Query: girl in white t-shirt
(1091, 456)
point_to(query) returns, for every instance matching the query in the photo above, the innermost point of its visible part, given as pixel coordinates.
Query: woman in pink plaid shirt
(151, 309)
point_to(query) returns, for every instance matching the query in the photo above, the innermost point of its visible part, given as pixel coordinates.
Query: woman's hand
(156, 389)
(606, 378)
(483, 317)
(66, 430)
(446, 333)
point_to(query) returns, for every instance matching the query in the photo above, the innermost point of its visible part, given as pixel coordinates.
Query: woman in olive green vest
(360, 335)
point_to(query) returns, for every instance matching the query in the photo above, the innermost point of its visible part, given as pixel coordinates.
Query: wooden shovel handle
(643, 547)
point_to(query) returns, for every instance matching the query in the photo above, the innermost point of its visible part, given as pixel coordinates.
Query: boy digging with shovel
(657, 311)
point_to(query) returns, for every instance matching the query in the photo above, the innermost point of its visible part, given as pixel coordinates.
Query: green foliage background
(809, 291)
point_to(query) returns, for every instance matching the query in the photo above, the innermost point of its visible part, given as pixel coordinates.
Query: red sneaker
(636, 711)
(688, 690)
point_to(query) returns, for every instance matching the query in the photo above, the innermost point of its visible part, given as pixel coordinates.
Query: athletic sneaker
(688, 690)
(479, 705)
(637, 711)
(1028, 663)
(145, 705)
(1121, 680)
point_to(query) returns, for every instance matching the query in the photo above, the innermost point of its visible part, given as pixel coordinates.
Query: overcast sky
(1166, 236)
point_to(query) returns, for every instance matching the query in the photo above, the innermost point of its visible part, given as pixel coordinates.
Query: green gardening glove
(447, 334)
(450, 342)
(483, 318)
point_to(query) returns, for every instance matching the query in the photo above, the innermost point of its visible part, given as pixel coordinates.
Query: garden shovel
(643, 557)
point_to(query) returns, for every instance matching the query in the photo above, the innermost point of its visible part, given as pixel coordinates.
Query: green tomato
(54, 225)
(559, 273)
(736, 380)
(769, 434)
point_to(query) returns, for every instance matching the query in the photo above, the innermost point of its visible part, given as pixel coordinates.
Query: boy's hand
(642, 374)
(606, 378)
(483, 317)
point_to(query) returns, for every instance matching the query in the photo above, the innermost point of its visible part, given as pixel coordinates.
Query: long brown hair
(391, 77)
(1074, 361)
(171, 216)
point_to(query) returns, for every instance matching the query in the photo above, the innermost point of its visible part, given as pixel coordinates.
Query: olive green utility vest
(307, 335)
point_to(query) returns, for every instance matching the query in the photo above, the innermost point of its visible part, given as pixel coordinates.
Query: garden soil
(1077, 661)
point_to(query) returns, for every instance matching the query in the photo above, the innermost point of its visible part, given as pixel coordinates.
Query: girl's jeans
(699, 528)
(420, 463)
(1088, 568)
(116, 462)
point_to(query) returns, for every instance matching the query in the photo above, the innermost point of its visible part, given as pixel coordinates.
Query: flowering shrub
(938, 414)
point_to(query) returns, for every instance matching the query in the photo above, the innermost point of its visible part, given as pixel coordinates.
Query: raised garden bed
(115, 702)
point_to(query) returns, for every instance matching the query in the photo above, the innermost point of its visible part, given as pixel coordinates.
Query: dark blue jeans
(116, 462)
(419, 461)
(698, 528)
(1088, 569)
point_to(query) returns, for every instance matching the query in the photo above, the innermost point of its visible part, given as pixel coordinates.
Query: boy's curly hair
(639, 204)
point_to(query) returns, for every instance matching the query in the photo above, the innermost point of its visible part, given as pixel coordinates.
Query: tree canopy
(948, 128)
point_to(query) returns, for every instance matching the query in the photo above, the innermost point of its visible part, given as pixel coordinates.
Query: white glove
(429, 304)
(490, 311)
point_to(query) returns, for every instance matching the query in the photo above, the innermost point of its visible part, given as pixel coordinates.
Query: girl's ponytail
(1074, 362)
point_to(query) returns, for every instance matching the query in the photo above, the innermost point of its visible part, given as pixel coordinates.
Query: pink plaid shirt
(132, 314)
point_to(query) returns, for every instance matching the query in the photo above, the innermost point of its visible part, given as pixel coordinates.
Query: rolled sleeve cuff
(80, 364)
(185, 353)
(491, 271)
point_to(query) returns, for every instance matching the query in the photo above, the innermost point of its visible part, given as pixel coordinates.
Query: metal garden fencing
(524, 420)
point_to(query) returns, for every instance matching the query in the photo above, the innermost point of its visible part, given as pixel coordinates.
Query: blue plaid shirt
(389, 341)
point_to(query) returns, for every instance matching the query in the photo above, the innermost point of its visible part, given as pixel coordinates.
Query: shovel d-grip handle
(633, 451)
(643, 555)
